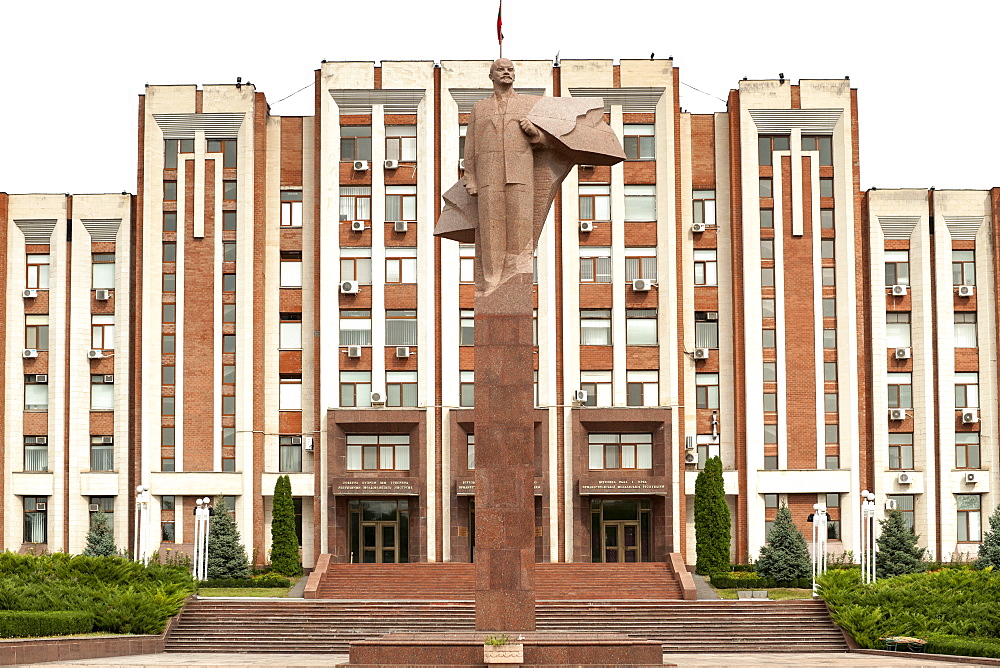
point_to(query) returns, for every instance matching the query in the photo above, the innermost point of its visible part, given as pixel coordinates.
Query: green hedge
(239, 583)
(959, 646)
(26, 624)
(749, 580)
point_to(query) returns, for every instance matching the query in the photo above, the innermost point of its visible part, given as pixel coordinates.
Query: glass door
(621, 542)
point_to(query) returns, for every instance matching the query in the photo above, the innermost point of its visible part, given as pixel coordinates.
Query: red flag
(500, 23)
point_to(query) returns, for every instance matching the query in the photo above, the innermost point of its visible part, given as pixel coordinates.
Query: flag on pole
(500, 23)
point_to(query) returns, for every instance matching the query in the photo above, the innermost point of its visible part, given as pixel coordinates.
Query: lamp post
(201, 518)
(141, 522)
(867, 537)
(819, 521)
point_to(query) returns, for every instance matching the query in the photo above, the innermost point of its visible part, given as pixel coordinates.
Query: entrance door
(379, 541)
(621, 542)
(379, 530)
(621, 530)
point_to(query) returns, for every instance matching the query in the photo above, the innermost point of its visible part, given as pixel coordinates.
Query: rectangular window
(291, 269)
(291, 208)
(289, 454)
(830, 372)
(170, 152)
(771, 434)
(355, 142)
(36, 392)
(830, 402)
(767, 219)
(227, 147)
(826, 187)
(356, 203)
(826, 220)
(770, 464)
(832, 434)
(769, 338)
(830, 339)
(36, 453)
(466, 263)
(229, 343)
(767, 277)
(229, 282)
(38, 271)
(905, 505)
(897, 267)
(642, 387)
(400, 203)
(967, 450)
(168, 531)
(35, 519)
(102, 332)
(228, 374)
(639, 263)
(356, 264)
(383, 452)
(356, 327)
(639, 144)
(168, 313)
(102, 270)
(595, 202)
(900, 390)
(767, 308)
(966, 335)
(169, 221)
(703, 203)
(770, 372)
(595, 264)
(400, 265)
(706, 329)
(466, 327)
(640, 203)
(597, 385)
(170, 282)
(229, 313)
(466, 388)
(897, 329)
(102, 453)
(966, 390)
(970, 521)
(829, 307)
(290, 331)
(707, 447)
(170, 191)
(900, 452)
(621, 451)
(963, 267)
(765, 187)
(401, 143)
(770, 402)
(36, 332)
(400, 388)
(595, 327)
(827, 248)
(168, 344)
(228, 221)
(168, 405)
(821, 143)
(170, 252)
(705, 267)
(770, 500)
(401, 328)
(829, 275)
(707, 390)
(290, 392)
(103, 504)
(167, 374)
(229, 251)
(767, 145)
(640, 327)
(356, 389)
(470, 447)
(229, 191)
(767, 249)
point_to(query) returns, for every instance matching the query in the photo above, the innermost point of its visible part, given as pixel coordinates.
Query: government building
(272, 301)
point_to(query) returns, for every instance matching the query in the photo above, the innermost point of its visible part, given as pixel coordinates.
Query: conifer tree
(989, 549)
(898, 553)
(785, 557)
(284, 541)
(100, 542)
(227, 558)
(711, 520)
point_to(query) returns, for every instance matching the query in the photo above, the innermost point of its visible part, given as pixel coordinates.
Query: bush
(100, 542)
(264, 582)
(989, 549)
(898, 553)
(22, 624)
(711, 519)
(284, 541)
(958, 646)
(227, 558)
(747, 580)
(785, 557)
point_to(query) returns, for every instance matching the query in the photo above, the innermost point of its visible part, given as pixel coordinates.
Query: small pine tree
(785, 557)
(227, 558)
(711, 520)
(100, 542)
(989, 549)
(898, 553)
(284, 541)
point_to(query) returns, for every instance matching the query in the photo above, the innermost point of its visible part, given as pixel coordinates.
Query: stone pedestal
(505, 458)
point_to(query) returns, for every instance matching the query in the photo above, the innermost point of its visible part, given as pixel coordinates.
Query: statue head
(502, 72)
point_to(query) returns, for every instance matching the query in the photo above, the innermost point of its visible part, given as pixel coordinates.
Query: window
(466, 388)
(832, 528)
(400, 203)
(169, 221)
(770, 402)
(356, 203)
(966, 335)
(639, 263)
(170, 191)
(38, 271)
(290, 331)
(227, 147)
(707, 390)
(356, 264)
(597, 385)
(291, 269)
(770, 372)
(767, 145)
(769, 338)
(827, 247)
(832, 434)
(900, 451)
(703, 203)
(595, 202)
(356, 327)
(229, 191)
(228, 404)
(830, 402)
(821, 143)
(706, 329)
(229, 282)
(833, 462)
(355, 142)
(167, 374)
(229, 251)
(168, 344)
(967, 450)
(970, 522)
(168, 531)
(642, 387)
(36, 332)
(770, 500)
(595, 264)
(106, 505)
(830, 372)
(228, 221)
(765, 188)
(767, 219)
(767, 249)
(102, 453)
(705, 267)
(897, 329)
(829, 307)
(639, 143)
(708, 447)
(826, 220)
(291, 208)
(470, 447)
(767, 308)
(640, 203)
(356, 389)
(289, 454)
(829, 275)
(36, 392)
(963, 267)
(401, 328)
(168, 313)
(229, 313)
(167, 525)
(830, 338)
(770, 464)
(900, 390)
(771, 434)
(167, 436)
(168, 405)
(36, 453)
(595, 327)
(640, 327)
(400, 265)
(170, 252)
(466, 327)
(102, 332)
(463, 130)
(400, 388)
(170, 282)
(621, 451)
(383, 452)
(966, 390)
(290, 392)
(171, 147)
(466, 263)
(904, 504)
(35, 519)
(826, 187)
(767, 277)
(401, 143)
(102, 270)
(897, 267)
(229, 343)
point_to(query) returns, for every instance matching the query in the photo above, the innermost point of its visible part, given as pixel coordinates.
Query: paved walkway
(705, 590)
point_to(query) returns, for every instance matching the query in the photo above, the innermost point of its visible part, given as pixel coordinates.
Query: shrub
(711, 519)
(100, 541)
(23, 624)
(284, 541)
(989, 549)
(785, 557)
(898, 553)
(227, 558)
(241, 583)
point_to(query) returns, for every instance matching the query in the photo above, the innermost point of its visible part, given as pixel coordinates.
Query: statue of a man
(518, 150)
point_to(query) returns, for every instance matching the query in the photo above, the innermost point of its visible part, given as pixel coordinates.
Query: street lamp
(201, 518)
(819, 522)
(141, 522)
(867, 537)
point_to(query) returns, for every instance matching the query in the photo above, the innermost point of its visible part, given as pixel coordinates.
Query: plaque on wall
(374, 487)
(468, 488)
(622, 487)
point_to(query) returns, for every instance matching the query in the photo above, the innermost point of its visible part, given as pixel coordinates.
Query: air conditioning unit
(350, 287)
(642, 285)
(972, 478)
(586, 166)
(586, 226)
(307, 443)
(890, 504)
(93, 507)
(402, 351)
(361, 165)
(296, 440)
(461, 163)
(690, 457)
(41, 440)
(698, 228)
(902, 353)
(107, 439)
(29, 293)
(702, 353)
(102, 295)
(898, 290)
(39, 505)
(904, 478)
(41, 377)
(378, 399)
(400, 226)
(29, 352)
(897, 413)
(354, 351)
(109, 378)
(357, 226)
(963, 290)
(580, 396)
(391, 164)
(970, 416)
(94, 354)
(689, 443)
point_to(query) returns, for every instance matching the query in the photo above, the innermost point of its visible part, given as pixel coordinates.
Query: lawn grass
(279, 592)
(772, 594)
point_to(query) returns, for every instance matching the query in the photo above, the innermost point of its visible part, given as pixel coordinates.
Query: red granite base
(540, 649)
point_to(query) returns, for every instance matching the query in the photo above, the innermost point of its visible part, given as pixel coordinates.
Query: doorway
(620, 530)
(379, 531)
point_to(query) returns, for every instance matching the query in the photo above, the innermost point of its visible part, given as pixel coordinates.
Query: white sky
(70, 72)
